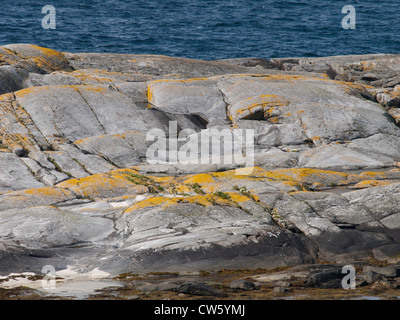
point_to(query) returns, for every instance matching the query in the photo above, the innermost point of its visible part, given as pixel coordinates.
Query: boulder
(200, 289)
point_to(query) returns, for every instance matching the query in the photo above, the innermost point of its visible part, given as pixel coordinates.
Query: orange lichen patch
(7, 97)
(188, 184)
(181, 189)
(149, 94)
(31, 90)
(14, 141)
(90, 88)
(151, 202)
(34, 90)
(45, 58)
(97, 75)
(151, 84)
(253, 107)
(39, 196)
(288, 77)
(395, 94)
(370, 183)
(238, 198)
(48, 52)
(233, 174)
(165, 180)
(307, 175)
(293, 186)
(365, 66)
(231, 199)
(208, 200)
(352, 86)
(202, 178)
(103, 186)
(203, 200)
(295, 177)
(291, 177)
(49, 191)
(372, 175)
(180, 80)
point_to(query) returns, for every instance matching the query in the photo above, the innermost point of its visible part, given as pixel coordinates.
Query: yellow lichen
(151, 202)
(203, 178)
(370, 183)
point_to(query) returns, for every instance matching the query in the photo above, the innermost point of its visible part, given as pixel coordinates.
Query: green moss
(197, 188)
(142, 180)
(81, 164)
(222, 195)
(58, 168)
(243, 191)
(3, 146)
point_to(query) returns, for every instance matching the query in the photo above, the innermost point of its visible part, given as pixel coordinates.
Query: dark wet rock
(21, 152)
(326, 278)
(159, 286)
(200, 289)
(242, 284)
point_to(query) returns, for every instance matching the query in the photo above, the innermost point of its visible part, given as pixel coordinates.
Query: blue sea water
(205, 29)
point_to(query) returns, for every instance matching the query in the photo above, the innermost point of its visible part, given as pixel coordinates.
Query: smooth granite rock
(77, 189)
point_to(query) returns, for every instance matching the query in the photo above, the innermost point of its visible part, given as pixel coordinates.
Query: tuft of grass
(142, 180)
(197, 188)
(222, 195)
(243, 190)
(58, 168)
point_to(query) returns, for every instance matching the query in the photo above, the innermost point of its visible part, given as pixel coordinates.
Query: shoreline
(78, 192)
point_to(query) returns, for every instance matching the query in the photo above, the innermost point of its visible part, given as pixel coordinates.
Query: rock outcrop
(77, 191)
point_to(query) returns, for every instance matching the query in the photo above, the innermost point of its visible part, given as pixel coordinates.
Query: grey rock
(242, 284)
(388, 100)
(326, 278)
(52, 227)
(388, 272)
(154, 65)
(200, 289)
(160, 286)
(280, 290)
(15, 175)
(385, 252)
(115, 148)
(373, 277)
(78, 114)
(21, 152)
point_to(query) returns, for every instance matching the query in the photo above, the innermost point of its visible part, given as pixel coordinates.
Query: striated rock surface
(77, 191)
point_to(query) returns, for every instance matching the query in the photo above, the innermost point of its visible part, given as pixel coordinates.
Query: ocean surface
(205, 29)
